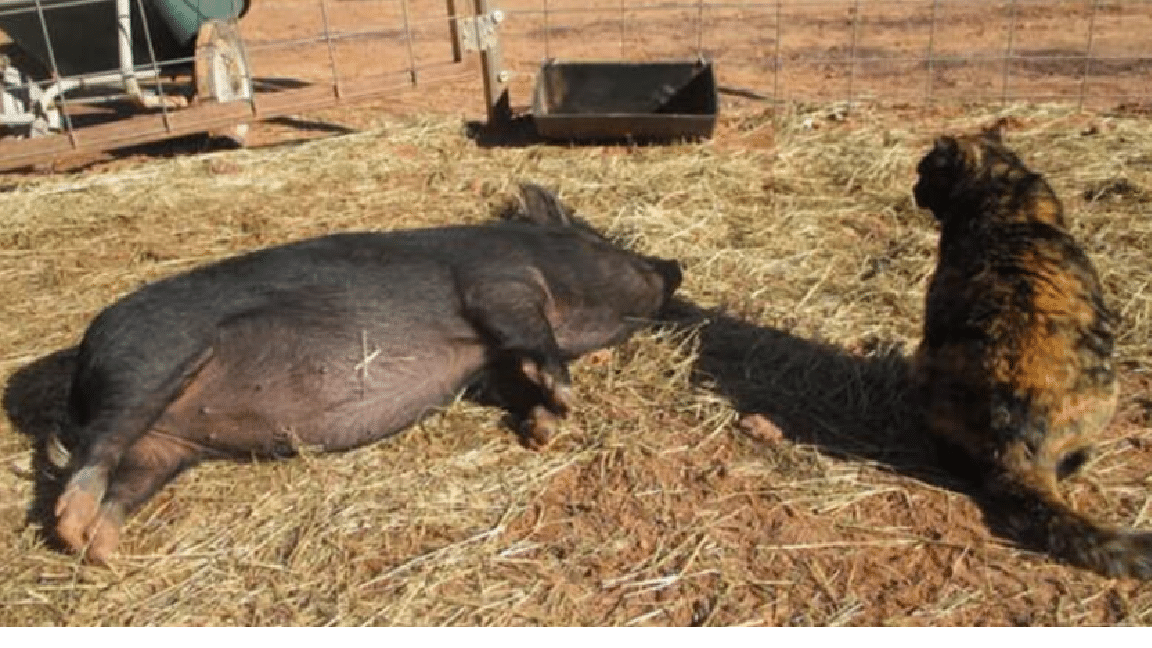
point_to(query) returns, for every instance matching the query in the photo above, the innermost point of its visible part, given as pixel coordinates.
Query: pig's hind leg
(111, 435)
(152, 461)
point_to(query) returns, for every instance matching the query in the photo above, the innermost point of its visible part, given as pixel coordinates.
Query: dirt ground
(818, 51)
(750, 461)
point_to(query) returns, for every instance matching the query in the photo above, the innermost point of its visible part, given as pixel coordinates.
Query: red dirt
(675, 513)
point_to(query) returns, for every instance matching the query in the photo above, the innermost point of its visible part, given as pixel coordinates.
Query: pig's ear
(543, 207)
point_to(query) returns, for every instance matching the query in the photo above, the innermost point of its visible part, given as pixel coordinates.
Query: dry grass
(747, 464)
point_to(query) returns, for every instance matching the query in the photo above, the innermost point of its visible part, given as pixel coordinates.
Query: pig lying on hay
(336, 342)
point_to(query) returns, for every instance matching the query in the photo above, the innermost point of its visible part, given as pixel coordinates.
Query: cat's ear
(995, 132)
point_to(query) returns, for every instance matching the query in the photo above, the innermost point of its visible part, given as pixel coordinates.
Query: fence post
(699, 28)
(454, 32)
(1088, 53)
(620, 27)
(337, 84)
(1008, 53)
(929, 62)
(412, 75)
(495, 79)
(547, 33)
(853, 55)
(778, 64)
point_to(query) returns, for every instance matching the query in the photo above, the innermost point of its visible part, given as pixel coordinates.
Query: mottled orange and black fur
(1016, 366)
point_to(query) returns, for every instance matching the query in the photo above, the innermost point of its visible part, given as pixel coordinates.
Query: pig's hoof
(102, 536)
(78, 507)
(556, 388)
(561, 395)
(95, 540)
(539, 428)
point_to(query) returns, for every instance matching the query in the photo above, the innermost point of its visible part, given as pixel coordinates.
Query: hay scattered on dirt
(749, 464)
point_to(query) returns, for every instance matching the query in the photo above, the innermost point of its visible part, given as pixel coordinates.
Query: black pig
(339, 341)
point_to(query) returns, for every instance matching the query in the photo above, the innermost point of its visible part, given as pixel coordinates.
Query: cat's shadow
(853, 405)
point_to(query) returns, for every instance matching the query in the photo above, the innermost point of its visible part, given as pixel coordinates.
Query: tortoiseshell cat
(1015, 369)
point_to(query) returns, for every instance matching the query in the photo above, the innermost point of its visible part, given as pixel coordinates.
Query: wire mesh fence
(61, 76)
(918, 52)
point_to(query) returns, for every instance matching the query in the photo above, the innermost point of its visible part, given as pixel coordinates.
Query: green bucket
(84, 35)
(185, 17)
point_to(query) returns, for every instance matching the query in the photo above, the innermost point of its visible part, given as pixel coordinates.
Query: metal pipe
(72, 139)
(98, 80)
(127, 66)
(124, 40)
(155, 65)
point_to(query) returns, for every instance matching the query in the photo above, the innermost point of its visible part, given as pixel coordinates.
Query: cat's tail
(1073, 536)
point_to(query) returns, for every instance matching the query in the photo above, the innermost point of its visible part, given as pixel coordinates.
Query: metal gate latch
(478, 33)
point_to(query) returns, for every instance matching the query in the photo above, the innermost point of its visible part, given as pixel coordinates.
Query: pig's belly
(326, 396)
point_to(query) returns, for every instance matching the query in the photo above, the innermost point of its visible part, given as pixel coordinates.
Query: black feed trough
(652, 101)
